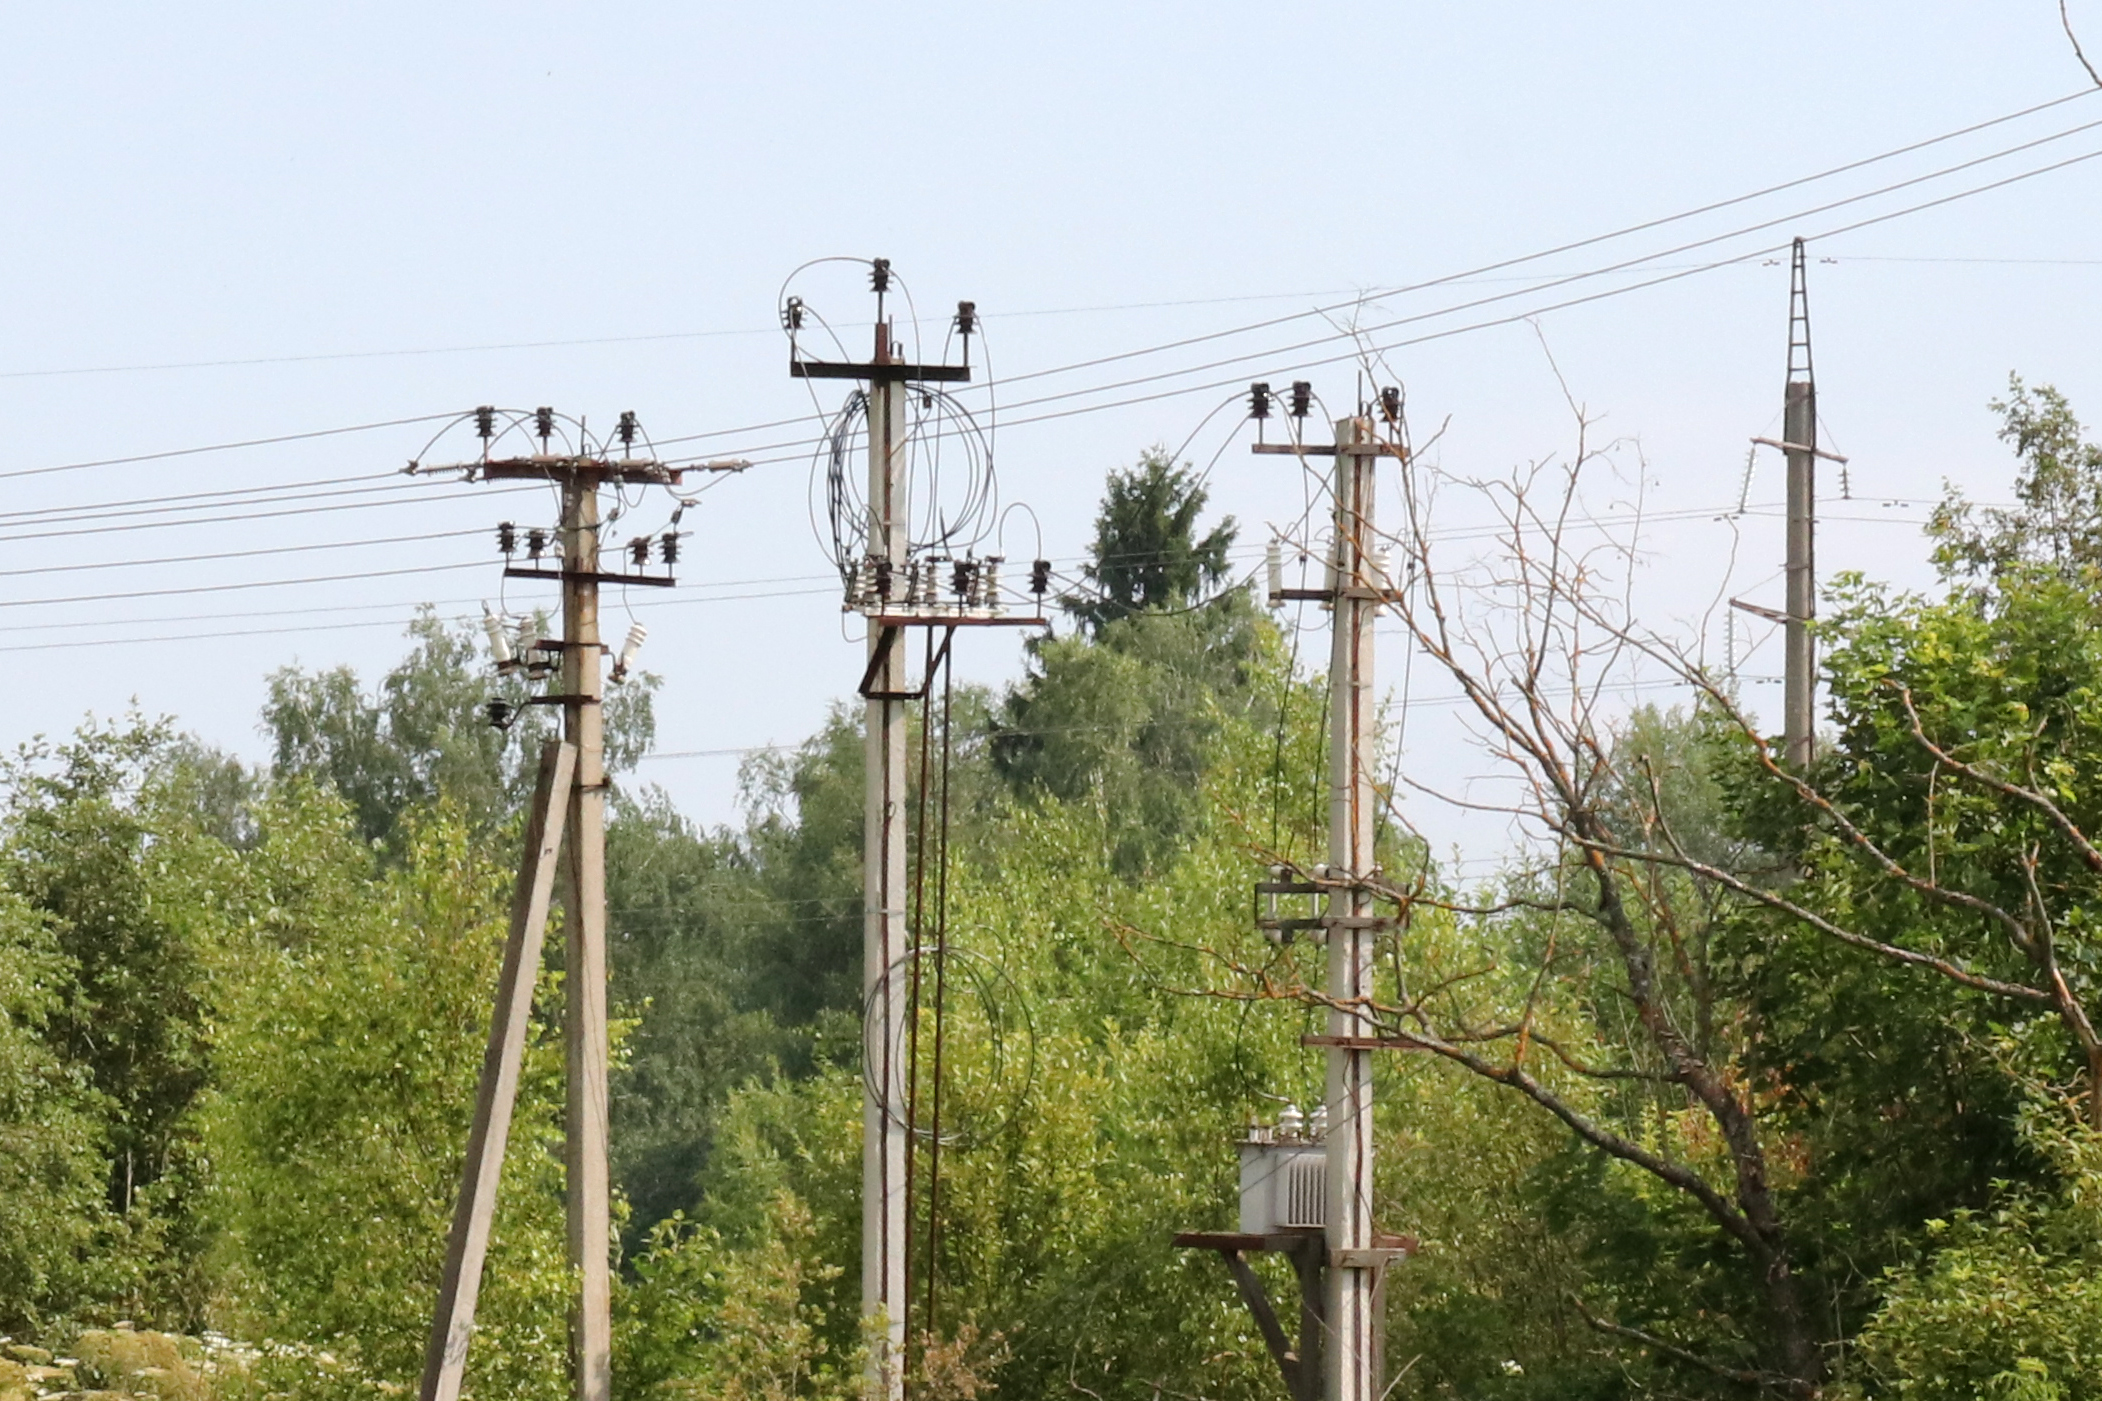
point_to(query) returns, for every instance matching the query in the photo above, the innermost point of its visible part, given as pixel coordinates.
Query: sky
(244, 222)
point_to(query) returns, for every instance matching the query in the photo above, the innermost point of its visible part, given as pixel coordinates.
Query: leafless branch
(1776, 901)
(1686, 1355)
(2066, 20)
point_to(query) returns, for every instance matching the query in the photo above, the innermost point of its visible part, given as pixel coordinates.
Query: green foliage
(2057, 523)
(1128, 721)
(1146, 556)
(2006, 686)
(349, 1043)
(103, 857)
(422, 735)
(260, 1001)
(56, 1231)
(1904, 1089)
(2005, 1302)
(692, 963)
(748, 1305)
(804, 838)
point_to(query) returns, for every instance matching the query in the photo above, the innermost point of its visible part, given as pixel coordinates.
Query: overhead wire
(245, 517)
(1181, 342)
(213, 498)
(237, 445)
(227, 495)
(1270, 355)
(1184, 342)
(1444, 333)
(1574, 245)
(239, 554)
(763, 588)
(236, 587)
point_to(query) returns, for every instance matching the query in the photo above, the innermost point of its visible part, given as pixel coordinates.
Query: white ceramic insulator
(499, 640)
(632, 648)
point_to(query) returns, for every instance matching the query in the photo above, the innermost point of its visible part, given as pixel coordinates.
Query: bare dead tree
(1534, 636)
(1613, 995)
(2030, 927)
(1522, 631)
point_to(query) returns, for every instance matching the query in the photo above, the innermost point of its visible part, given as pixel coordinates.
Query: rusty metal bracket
(1772, 615)
(1300, 1366)
(886, 643)
(557, 467)
(954, 620)
(1393, 450)
(877, 370)
(1331, 595)
(594, 576)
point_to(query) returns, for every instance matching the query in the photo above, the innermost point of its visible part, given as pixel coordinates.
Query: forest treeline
(1756, 1083)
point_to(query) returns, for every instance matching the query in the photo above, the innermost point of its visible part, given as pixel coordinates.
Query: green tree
(2002, 1302)
(58, 1238)
(354, 1006)
(689, 922)
(1146, 553)
(422, 735)
(1126, 714)
(102, 846)
(2056, 522)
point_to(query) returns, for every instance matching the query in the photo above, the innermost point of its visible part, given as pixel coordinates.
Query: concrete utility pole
(886, 1211)
(885, 1129)
(1353, 1305)
(570, 806)
(1337, 1252)
(1798, 445)
(1799, 435)
(584, 944)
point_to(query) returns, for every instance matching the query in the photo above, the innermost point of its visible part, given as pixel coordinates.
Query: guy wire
(919, 924)
(941, 949)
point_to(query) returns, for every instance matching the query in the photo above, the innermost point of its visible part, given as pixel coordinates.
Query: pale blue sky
(245, 182)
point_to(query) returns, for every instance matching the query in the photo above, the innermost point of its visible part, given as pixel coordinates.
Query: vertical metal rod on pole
(884, 1218)
(452, 1325)
(1352, 1333)
(589, 1204)
(1799, 433)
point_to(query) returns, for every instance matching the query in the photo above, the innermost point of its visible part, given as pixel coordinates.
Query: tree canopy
(1756, 1082)
(1146, 554)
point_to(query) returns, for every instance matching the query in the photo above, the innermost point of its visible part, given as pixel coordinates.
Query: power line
(327, 627)
(1475, 272)
(642, 338)
(1184, 342)
(1595, 239)
(1160, 348)
(786, 447)
(214, 496)
(758, 588)
(231, 588)
(1626, 265)
(1469, 327)
(238, 554)
(229, 447)
(247, 516)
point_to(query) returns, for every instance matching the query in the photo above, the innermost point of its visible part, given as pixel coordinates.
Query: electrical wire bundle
(951, 490)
